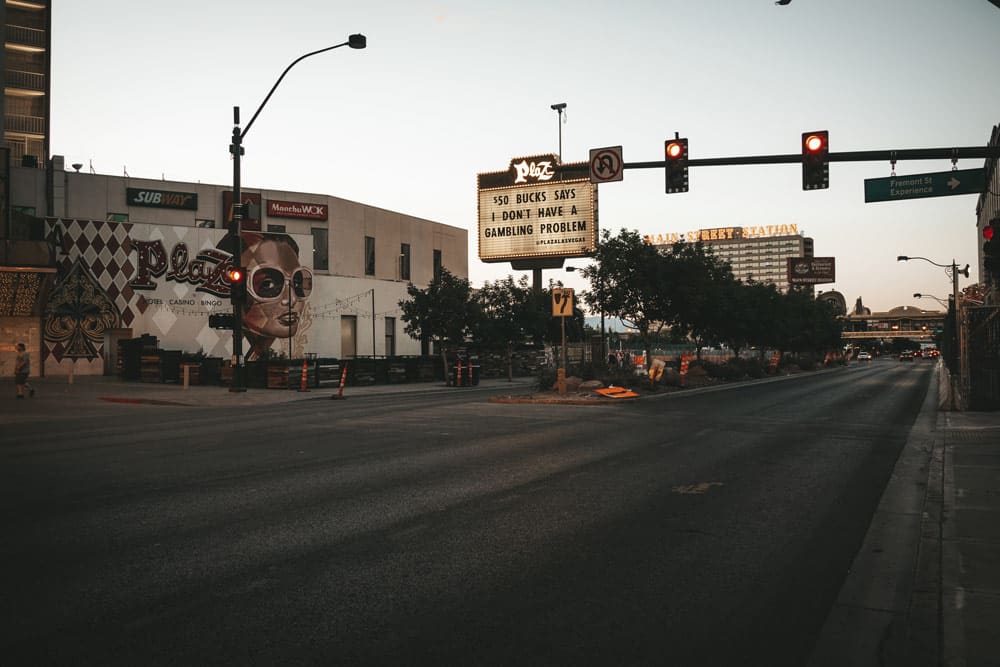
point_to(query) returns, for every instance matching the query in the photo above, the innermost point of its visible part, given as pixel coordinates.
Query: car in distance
(906, 355)
(864, 356)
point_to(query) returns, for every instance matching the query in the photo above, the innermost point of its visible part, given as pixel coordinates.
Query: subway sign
(531, 210)
(161, 198)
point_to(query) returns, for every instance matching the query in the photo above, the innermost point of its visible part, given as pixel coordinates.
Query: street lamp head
(559, 107)
(571, 268)
(902, 258)
(357, 41)
(965, 271)
(917, 295)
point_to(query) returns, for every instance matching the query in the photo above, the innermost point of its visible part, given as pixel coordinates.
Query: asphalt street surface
(708, 529)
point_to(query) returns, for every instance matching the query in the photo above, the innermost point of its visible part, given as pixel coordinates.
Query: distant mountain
(610, 324)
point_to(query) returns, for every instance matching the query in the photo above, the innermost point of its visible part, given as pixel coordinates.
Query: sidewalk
(115, 390)
(969, 537)
(924, 588)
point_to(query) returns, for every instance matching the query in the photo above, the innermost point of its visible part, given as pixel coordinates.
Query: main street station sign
(532, 211)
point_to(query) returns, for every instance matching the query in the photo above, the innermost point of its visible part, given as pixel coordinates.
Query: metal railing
(25, 124)
(25, 80)
(17, 34)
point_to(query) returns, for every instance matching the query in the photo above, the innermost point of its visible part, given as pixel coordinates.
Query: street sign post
(562, 307)
(606, 164)
(933, 184)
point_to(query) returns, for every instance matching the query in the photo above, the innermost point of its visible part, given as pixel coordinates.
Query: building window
(280, 229)
(390, 336)
(404, 261)
(437, 264)
(321, 249)
(369, 255)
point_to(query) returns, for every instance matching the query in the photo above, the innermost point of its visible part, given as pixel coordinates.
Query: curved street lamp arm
(903, 258)
(352, 42)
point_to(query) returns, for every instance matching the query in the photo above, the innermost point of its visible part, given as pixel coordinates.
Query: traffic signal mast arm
(965, 153)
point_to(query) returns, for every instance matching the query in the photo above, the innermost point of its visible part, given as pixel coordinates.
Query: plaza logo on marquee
(536, 171)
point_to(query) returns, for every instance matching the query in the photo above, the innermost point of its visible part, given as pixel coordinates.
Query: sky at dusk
(446, 90)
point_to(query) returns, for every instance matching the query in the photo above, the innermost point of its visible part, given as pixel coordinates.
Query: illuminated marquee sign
(724, 234)
(528, 212)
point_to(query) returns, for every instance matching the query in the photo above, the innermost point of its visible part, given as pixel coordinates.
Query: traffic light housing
(220, 320)
(237, 284)
(991, 247)
(816, 160)
(675, 153)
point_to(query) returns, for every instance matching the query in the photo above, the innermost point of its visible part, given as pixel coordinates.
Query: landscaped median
(629, 386)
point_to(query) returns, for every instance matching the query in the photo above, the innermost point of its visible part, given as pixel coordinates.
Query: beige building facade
(150, 256)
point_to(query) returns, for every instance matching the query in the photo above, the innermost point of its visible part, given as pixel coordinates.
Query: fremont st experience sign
(528, 211)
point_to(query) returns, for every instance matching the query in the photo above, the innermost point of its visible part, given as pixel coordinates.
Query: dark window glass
(369, 255)
(321, 249)
(404, 261)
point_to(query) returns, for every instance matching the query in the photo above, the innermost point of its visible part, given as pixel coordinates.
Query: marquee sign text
(534, 210)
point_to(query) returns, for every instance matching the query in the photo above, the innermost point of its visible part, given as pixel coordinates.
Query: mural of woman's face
(277, 287)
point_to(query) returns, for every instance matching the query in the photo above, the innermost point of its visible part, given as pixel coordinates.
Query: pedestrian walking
(22, 369)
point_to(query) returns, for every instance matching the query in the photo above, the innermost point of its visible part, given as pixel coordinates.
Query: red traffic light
(988, 232)
(675, 150)
(237, 284)
(814, 143)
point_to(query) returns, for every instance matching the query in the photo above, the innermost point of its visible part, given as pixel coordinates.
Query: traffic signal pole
(236, 148)
(963, 153)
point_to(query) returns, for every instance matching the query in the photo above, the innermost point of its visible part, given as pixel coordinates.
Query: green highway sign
(934, 184)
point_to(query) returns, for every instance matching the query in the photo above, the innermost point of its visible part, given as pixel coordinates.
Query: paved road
(711, 529)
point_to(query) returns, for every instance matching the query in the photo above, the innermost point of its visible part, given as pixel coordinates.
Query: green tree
(506, 316)
(445, 312)
(697, 282)
(627, 280)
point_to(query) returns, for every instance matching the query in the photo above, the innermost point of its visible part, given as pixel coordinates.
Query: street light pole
(953, 268)
(356, 41)
(559, 108)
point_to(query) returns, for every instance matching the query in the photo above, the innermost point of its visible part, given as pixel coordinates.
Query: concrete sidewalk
(969, 537)
(924, 588)
(116, 390)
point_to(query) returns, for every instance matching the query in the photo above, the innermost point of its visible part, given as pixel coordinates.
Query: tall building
(26, 70)
(756, 254)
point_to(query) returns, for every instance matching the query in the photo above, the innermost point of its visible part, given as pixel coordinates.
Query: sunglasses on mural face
(267, 283)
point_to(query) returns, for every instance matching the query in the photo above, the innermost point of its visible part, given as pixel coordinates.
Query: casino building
(754, 253)
(90, 259)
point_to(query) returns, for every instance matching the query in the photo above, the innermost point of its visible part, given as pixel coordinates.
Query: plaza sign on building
(811, 270)
(532, 211)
